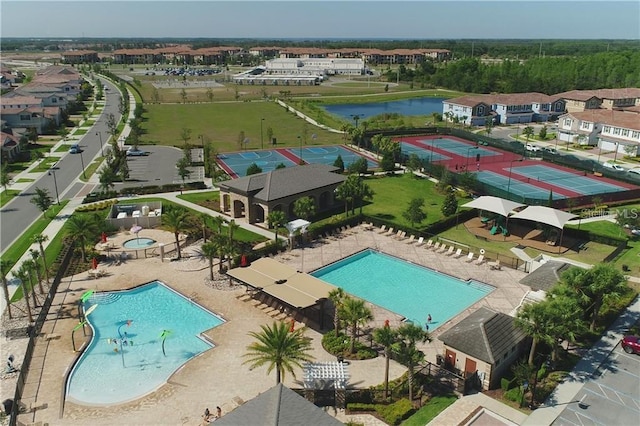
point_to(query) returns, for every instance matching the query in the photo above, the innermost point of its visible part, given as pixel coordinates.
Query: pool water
(103, 376)
(139, 243)
(402, 287)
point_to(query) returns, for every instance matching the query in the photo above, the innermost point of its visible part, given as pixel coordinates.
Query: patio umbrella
(103, 238)
(135, 229)
(95, 263)
(243, 261)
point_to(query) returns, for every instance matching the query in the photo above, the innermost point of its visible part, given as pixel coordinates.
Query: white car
(532, 147)
(613, 166)
(634, 171)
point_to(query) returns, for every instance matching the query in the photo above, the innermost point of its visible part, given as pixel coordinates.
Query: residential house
(582, 100)
(10, 146)
(485, 343)
(470, 110)
(80, 57)
(28, 112)
(255, 196)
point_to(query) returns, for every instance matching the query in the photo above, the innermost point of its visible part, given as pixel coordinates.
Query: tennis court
(565, 179)
(458, 148)
(328, 155)
(236, 163)
(513, 186)
(422, 153)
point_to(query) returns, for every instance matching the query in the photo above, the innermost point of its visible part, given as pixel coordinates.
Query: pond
(414, 106)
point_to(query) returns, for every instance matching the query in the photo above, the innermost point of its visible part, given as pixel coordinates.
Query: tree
(386, 163)
(219, 242)
(209, 251)
(183, 95)
(337, 297)
(81, 229)
(124, 170)
(344, 192)
(360, 190)
(355, 313)
(4, 270)
(564, 320)
(594, 287)
(276, 219)
(112, 128)
(405, 349)
(241, 138)
(304, 208)
(23, 275)
(528, 132)
(523, 372)
(488, 125)
(40, 239)
(531, 319)
(176, 220)
(30, 267)
(414, 213)
(42, 200)
(631, 150)
(231, 246)
(385, 337)
(542, 134)
(280, 166)
(210, 94)
(185, 135)
(5, 179)
(35, 255)
(414, 163)
(107, 178)
(339, 163)
(183, 168)
(450, 203)
(279, 348)
(253, 169)
(270, 134)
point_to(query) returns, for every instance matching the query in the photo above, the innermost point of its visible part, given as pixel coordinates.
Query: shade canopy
(494, 204)
(298, 224)
(553, 217)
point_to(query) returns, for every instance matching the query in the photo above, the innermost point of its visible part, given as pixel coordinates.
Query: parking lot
(156, 168)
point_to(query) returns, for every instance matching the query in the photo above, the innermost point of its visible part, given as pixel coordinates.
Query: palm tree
(35, 254)
(203, 220)
(219, 242)
(22, 275)
(4, 269)
(304, 208)
(386, 337)
(209, 251)
(176, 220)
(218, 222)
(279, 349)
(29, 266)
(406, 351)
(355, 313)
(40, 239)
(344, 192)
(531, 319)
(81, 229)
(361, 191)
(276, 219)
(337, 296)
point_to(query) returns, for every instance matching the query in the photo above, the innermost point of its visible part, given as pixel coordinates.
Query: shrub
(514, 394)
(361, 406)
(338, 345)
(504, 384)
(394, 413)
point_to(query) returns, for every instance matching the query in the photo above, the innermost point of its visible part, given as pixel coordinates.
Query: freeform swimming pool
(410, 290)
(104, 376)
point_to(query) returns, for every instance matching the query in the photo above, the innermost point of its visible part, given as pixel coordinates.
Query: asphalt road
(20, 213)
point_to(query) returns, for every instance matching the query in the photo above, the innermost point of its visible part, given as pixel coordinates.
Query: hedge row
(152, 189)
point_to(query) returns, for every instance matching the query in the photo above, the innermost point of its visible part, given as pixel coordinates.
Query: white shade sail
(493, 204)
(553, 217)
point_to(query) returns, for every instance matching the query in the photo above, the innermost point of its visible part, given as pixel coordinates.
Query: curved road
(20, 213)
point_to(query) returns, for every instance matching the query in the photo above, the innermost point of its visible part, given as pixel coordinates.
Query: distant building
(80, 57)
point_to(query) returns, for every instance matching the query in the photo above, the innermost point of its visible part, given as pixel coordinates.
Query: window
(606, 129)
(635, 135)
(616, 131)
(567, 122)
(25, 117)
(625, 132)
(585, 125)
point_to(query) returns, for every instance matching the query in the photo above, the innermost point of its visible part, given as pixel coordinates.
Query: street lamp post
(615, 155)
(82, 163)
(261, 139)
(55, 184)
(509, 183)
(101, 147)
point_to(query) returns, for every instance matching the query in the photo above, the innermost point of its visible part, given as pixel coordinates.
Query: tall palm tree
(4, 269)
(219, 242)
(406, 351)
(35, 254)
(204, 218)
(29, 266)
(22, 275)
(40, 239)
(386, 337)
(279, 348)
(276, 219)
(217, 223)
(531, 319)
(209, 251)
(81, 229)
(176, 220)
(337, 296)
(355, 313)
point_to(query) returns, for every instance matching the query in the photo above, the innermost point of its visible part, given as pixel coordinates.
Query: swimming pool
(410, 290)
(139, 243)
(140, 317)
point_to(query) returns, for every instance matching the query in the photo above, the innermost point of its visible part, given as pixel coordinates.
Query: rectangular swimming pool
(407, 289)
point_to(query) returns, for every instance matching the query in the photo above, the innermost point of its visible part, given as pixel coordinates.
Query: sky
(313, 19)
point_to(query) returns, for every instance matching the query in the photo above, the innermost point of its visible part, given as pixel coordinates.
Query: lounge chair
(458, 253)
(442, 248)
(382, 229)
(450, 251)
(420, 242)
(411, 239)
(480, 260)
(495, 265)
(469, 257)
(400, 235)
(389, 231)
(436, 246)
(429, 244)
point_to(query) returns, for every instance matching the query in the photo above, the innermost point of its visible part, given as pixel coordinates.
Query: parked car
(550, 150)
(74, 149)
(613, 166)
(131, 152)
(631, 344)
(634, 171)
(532, 147)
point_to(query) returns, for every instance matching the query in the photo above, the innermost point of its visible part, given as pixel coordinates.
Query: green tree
(183, 168)
(359, 166)
(406, 352)
(269, 134)
(22, 274)
(81, 230)
(355, 313)
(4, 270)
(40, 239)
(35, 255)
(450, 203)
(209, 251)
(176, 220)
(304, 208)
(385, 337)
(542, 134)
(42, 200)
(185, 135)
(386, 163)
(564, 320)
(276, 219)
(339, 163)
(532, 320)
(219, 241)
(337, 297)
(523, 372)
(360, 190)
(278, 348)
(5, 179)
(344, 192)
(183, 95)
(414, 163)
(107, 177)
(488, 125)
(414, 213)
(528, 132)
(280, 166)
(253, 169)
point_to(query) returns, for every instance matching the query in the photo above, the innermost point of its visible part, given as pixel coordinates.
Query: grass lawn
(25, 180)
(431, 409)
(222, 123)
(63, 148)
(6, 196)
(208, 199)
(91, 169)
(89, 123)
(45, 164)
(392, 195)
(79, 132)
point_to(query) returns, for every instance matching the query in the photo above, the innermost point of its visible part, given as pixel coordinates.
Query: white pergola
(325, 375)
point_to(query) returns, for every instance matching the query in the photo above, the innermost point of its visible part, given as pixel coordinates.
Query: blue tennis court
(563, 179)
(458, 148)
(422, 153)
(236, 163)
(513, 186)
(328, 155)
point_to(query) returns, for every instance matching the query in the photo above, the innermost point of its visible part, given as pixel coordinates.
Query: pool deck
(218, 377)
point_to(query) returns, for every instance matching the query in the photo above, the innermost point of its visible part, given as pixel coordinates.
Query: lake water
(414, 106)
